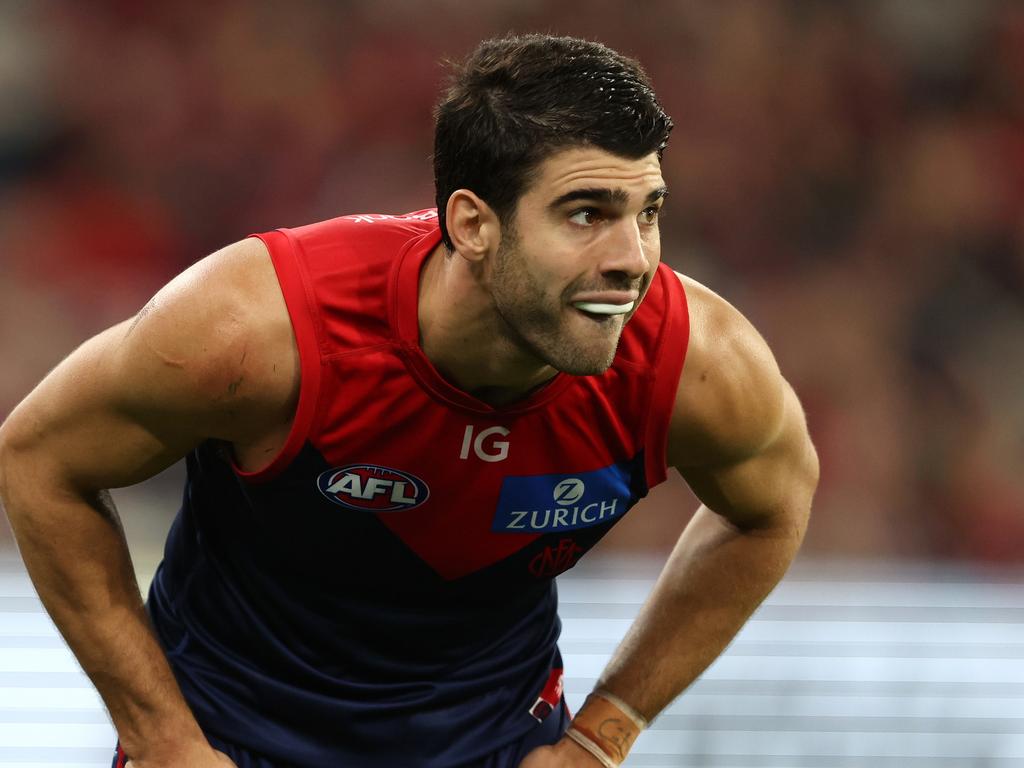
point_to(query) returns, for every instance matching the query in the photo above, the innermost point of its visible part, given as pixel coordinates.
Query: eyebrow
(605, 196)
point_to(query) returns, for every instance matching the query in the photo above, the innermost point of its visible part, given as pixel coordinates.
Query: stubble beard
(539, 325)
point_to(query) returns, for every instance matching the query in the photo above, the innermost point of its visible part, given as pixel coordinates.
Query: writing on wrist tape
(636, 717)
(608, 724)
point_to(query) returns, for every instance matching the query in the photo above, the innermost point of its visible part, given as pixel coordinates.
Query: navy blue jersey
(382, 593)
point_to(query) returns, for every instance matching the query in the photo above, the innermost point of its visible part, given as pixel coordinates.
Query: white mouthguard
(603, 309)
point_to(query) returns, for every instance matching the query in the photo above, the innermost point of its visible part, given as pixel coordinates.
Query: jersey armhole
(668, 367)
(299, 299)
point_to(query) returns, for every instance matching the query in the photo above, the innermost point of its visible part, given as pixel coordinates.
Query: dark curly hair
(516, 100)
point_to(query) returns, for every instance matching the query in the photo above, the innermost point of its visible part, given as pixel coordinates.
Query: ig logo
(569, 491)
(485, 445)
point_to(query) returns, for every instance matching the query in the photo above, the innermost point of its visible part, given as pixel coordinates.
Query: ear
(472, 225)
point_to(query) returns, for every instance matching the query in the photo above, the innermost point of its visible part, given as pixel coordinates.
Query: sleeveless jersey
(383, 594)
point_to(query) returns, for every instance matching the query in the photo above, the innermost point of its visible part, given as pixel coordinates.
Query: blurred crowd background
(851, 175)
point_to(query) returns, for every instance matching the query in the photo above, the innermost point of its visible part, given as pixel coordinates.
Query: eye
(585, 217)
(650, 215)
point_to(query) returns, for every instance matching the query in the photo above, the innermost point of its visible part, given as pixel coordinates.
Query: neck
(466, 339)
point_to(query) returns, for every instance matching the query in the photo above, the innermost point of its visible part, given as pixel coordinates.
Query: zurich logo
(569, 491)
(372, 488)
(532, 504)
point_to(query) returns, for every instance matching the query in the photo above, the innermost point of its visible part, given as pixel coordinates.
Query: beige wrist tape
(608, 724)
(591, 747)
(636, 717)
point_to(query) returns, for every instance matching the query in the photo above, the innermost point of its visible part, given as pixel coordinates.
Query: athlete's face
(579, 256)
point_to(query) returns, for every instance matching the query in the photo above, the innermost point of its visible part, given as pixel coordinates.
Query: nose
(626, 254)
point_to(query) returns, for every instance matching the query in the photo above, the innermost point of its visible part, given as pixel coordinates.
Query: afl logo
(372, 488)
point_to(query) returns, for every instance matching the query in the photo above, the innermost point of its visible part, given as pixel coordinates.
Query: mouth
(603, 310)
(606, 306)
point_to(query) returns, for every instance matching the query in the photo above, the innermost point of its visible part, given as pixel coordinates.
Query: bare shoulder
(730, 399)
(211, 356)
(216, 341)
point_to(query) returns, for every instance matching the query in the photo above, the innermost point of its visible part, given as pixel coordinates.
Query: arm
(122, 407)
(739, 438)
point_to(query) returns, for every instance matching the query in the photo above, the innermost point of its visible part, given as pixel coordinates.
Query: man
(399, 429)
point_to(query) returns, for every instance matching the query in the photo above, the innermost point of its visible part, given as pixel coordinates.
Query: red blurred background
(851, 175)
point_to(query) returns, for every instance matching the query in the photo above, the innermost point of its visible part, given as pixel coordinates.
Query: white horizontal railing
(907, 665)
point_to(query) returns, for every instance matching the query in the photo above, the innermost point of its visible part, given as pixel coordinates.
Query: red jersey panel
(462, 483)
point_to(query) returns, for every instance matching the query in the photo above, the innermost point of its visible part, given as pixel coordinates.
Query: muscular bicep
(84, 426)
(199, 362)
(775, 483)
(738, 434)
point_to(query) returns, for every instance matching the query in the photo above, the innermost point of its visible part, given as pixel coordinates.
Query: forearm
(714, 579)
(77, 557)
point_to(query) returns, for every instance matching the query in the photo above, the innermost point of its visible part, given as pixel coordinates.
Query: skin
(213, 356)
(513, 326)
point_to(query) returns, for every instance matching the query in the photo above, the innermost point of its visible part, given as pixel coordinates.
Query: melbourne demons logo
(554, 560)
(372, 488)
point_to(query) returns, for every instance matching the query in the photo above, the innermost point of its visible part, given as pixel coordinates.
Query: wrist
(571, 753)
(606, 727)
(169, 743)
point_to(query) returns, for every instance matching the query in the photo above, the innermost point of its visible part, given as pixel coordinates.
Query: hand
(198, 758)
(566, 753)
